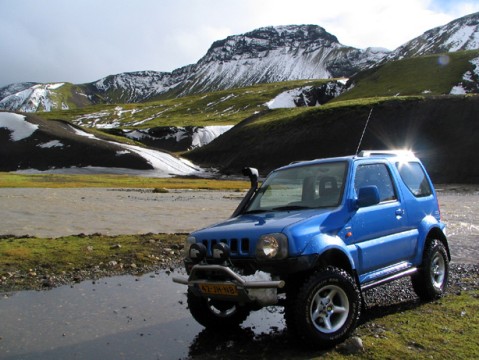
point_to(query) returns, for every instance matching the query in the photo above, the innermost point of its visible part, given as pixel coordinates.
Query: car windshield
(301, 187)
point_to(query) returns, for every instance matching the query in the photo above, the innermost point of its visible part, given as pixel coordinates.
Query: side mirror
(367, 196)
(253, 175)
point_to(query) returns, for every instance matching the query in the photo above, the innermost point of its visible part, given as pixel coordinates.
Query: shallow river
(113, 318)
(60, 212)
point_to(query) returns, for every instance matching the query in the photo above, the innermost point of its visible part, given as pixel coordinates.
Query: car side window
(378, 175)
(415, 179)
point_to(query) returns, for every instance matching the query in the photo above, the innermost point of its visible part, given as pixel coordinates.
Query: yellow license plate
(219, 289)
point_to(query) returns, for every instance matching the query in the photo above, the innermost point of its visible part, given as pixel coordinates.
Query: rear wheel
(216, 314)
(430, 281)
(326, 308)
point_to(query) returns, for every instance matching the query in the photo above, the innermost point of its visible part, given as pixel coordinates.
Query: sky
(81, 41)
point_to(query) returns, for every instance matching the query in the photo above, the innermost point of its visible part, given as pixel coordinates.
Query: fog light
(197, 252)
(221, 251)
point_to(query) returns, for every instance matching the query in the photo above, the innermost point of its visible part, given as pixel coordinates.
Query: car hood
(297, 225)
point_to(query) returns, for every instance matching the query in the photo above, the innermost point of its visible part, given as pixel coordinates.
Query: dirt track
(60, 212)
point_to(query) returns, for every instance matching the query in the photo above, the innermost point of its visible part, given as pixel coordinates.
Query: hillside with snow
(31, 144)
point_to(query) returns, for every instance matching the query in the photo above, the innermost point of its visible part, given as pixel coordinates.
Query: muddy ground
(61, 212)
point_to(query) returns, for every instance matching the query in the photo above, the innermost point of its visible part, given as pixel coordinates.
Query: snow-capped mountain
(459, 34)
(274, 54)
(269, 54)
(37, 97)
(14, 88)
(133, 86)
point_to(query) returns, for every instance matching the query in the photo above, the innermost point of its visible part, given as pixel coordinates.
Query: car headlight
(190, 240)
(272, 246)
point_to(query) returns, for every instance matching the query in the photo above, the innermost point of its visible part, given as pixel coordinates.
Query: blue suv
(315, 235)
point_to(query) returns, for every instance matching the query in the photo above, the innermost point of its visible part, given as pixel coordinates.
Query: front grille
(238, 247)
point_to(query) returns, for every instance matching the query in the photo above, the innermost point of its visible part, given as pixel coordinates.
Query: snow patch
(179, 135)
(205, 135)
(469, 83)
(199, 136)
(461, 36)
(84, 133)
(164, 164)
(123, 152)
(138, 135)
(308, 95)
(54, 86)
(18, 126)
(286, 99)
(264, 296)
(51, 144)
(458, 90)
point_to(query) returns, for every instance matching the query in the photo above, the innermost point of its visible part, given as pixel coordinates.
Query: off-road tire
(326, 309)
(430, 282)
(216, 314)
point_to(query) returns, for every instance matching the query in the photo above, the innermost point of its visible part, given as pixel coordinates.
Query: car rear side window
(378, 175)
(415, 178)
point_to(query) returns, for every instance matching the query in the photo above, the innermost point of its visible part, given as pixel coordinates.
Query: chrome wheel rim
(438, 270)
(329, 309)
(221, 310)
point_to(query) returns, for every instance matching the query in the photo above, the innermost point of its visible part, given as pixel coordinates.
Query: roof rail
(401, 153)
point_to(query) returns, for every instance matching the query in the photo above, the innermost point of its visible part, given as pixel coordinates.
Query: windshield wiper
(257, 211)
(290, 207)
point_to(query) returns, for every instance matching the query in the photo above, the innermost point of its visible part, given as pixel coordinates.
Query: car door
(379, 232)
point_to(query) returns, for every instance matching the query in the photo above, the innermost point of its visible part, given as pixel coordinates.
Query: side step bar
(373, 284)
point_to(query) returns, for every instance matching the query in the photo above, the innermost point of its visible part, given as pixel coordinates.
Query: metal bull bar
(244, 290)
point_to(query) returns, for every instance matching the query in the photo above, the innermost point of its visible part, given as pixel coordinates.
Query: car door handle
(399, 212)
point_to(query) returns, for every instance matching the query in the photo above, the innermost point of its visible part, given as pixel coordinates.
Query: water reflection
(127, 318)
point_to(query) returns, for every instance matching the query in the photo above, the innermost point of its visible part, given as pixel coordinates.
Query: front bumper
(222, 283)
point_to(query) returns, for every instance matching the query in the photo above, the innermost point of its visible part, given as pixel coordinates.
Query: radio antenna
(364, 130)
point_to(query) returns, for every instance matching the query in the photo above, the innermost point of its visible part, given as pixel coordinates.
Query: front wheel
(326, 308)
(430, 281)
(216, 314)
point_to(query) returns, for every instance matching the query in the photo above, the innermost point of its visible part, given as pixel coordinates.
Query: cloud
(85, 40)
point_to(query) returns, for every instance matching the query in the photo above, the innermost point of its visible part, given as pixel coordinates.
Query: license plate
(219, 289)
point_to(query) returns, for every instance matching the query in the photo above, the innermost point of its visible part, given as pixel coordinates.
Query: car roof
(365, 154)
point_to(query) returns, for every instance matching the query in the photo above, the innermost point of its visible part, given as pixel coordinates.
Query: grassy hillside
(226, 107)
(440, 130)
(426, 75)
(420, 76)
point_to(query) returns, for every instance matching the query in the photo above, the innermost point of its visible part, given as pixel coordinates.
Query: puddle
(122, 318)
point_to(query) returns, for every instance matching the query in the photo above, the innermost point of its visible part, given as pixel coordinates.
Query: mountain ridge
(459, 34)
(267, 54)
